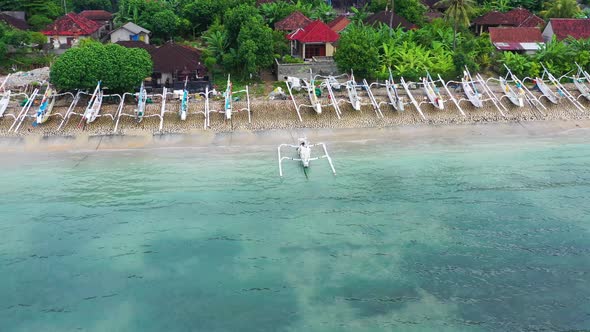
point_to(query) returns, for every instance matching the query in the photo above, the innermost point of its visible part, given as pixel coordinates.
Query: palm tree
(458, 12)
(561, 9)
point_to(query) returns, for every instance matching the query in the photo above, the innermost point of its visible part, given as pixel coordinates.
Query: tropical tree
(457, 12)
(80, 5)
(119, 68)
(358, 50)
(561, 9)
(276, 11)
(412, 10)
(323, 12)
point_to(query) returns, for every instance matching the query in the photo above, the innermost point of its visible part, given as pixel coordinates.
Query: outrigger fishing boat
(579, 82)
(353, 96)
(432, 92)
(141, 102)
(334, 84)
(5, 97)
(546, 91)
(470, 89)
(311, 94)
(94, 105)
(516, 97)
(184, 101)
(46, 106)
(394, 98)
(227, 105)
(304, 153)
(4, 103)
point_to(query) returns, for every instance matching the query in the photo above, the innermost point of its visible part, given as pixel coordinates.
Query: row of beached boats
(46, 105)
(475, 90)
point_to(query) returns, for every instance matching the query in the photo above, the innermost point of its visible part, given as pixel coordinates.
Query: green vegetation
(558, 57)
(21, 48)
(120, 69)
(236, 36)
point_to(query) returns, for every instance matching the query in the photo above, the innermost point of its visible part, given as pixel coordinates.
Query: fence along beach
(376, 111)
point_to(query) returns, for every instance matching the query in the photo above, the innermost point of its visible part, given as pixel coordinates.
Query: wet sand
(409, 135)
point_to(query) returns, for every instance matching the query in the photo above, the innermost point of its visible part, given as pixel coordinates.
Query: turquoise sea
(483, 236)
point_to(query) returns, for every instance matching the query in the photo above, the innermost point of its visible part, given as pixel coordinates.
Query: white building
(130, 32)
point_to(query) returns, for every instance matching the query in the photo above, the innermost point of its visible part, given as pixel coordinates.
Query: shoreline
(410, 135)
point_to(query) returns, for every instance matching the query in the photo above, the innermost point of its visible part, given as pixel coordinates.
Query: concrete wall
(301, 70)
(548, 33)
(330, 49)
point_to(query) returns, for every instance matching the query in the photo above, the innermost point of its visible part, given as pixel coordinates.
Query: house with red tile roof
(14, 22)
(563, 28)
(69, 29)
(517, 39)
(296, 20)
(315, 39)
(339, 23)
(102, 17)
(518, 17)
(386, 17)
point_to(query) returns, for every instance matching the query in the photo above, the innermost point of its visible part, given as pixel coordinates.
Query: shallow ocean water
(433, 237)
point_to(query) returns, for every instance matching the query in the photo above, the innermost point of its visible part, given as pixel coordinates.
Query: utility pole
(391, 19)
(65, 8)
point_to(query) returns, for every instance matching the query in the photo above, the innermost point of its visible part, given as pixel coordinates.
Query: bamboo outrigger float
(22, 115)
(412, 99)
(372, 99)
(432, 92)
(394, 98)
(332, 97)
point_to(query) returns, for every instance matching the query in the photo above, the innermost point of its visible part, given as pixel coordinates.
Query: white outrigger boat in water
(304, 154)
(394, 98)
(432, 92)
(470, 89)
(94, 105)
(141, 103)
(184, 101)
(353, 96)
(46, 106)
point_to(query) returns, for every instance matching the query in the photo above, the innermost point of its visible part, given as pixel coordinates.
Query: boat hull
(4, 103)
